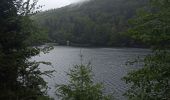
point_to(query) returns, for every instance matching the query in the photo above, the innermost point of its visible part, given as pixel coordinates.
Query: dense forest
(101, 23)
(94, 23)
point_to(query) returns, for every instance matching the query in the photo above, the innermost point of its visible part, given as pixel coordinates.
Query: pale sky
(49, 4)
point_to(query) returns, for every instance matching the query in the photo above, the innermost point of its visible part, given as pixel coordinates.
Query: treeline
(95, 23)
(21, 79)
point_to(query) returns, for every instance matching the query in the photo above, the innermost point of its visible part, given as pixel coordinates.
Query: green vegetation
(38, 37)
(20, 79)
(81, 86)
(152, 82)
(94, 23)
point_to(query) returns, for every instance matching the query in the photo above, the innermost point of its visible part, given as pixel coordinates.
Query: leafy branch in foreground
(20, 79)
(81, 86)
(152, 82)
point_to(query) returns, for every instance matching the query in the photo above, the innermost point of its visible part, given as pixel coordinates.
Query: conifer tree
(20, 79)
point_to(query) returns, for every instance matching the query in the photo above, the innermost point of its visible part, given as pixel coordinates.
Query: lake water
(109, 66)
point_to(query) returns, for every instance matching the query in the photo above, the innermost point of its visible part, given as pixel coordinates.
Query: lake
(109, 66)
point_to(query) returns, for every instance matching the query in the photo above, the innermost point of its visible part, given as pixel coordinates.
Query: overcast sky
(49, 4)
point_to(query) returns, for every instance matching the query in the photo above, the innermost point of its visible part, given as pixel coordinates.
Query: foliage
(20, 79)
(97, 22)
(153, 26)
(38, 37)
(81, 86)
(152, 82)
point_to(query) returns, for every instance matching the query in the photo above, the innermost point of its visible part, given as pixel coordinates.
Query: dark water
(108, 65)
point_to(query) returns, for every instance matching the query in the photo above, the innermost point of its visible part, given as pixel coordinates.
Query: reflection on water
(108, 65)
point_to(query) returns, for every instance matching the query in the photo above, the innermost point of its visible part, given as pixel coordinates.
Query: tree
(152, 82)
(94, 23)
(20, 79)
(81, 86)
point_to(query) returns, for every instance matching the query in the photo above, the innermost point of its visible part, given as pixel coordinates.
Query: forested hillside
(95, 23)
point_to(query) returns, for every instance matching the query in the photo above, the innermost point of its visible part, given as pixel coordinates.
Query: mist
(50, 4)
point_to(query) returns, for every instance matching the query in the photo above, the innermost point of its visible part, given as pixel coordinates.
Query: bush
(81, 86)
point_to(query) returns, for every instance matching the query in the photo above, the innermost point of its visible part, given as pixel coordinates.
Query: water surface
(109, 65)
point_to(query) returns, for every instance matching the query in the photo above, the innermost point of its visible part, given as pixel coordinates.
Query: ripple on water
(108, 65)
